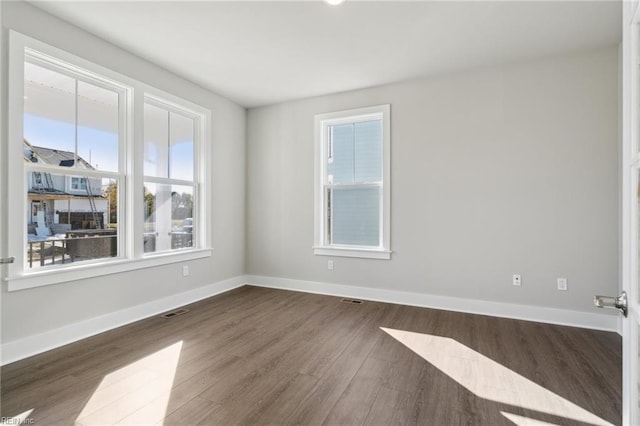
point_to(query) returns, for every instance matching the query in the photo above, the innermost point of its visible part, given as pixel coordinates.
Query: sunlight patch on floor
(140, 389)
(525, 421)
(489, 380)
(20, 419)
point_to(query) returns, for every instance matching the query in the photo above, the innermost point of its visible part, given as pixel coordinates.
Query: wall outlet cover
(562, 284)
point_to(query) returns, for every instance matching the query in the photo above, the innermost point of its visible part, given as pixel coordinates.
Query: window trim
(131, 255)
(98, 268)
(322, 122)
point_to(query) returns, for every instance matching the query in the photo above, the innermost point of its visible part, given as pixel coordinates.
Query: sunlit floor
(261, 356)
(490, 380)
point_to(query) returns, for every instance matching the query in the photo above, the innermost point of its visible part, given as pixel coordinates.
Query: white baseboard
(31, 345)
(592, 320)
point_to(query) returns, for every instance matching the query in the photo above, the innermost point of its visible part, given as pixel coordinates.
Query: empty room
(320, 212)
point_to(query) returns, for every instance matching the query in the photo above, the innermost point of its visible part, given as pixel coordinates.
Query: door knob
(5, 260)
(620, 303)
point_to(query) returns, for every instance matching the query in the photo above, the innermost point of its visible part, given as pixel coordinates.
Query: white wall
(34, 311)
(498, 171)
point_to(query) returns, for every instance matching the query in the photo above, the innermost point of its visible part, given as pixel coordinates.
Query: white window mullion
(168, 143)
(16, 177)
(31, 167)
(134, 181)
(75, 127)
(381, 216)
(329, 220)
(167, 181)
(204, 203)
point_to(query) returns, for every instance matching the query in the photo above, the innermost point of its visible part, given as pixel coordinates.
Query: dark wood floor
(263, 356)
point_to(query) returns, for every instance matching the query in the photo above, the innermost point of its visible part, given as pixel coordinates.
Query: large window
(106, 172)
(71, 139)
(352, 183)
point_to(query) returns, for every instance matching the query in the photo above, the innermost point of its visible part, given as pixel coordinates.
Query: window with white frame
(72, 134)
(169, 185)
(353, 183)
(81, 184)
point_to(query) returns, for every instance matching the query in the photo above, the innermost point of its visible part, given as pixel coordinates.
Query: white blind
(354, 175)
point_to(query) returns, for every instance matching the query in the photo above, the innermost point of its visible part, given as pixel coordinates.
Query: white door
(631, 212)
(631, 324)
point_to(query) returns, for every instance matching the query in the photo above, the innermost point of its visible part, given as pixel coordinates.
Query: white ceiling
(260, 53)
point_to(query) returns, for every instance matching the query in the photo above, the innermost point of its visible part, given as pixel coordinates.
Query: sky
(98, 147)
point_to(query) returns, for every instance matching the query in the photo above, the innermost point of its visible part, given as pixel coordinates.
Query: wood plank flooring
(264, 356)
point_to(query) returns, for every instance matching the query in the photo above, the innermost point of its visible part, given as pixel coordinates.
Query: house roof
(53, 157)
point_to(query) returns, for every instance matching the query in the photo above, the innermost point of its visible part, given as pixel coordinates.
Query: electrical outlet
(330, 265)
(562, 284)
(185, 270)
(517, 280)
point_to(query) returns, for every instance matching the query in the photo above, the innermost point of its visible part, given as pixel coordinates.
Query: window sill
(363, 253)
(90, 270)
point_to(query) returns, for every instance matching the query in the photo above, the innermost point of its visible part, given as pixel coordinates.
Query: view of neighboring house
(63, 199)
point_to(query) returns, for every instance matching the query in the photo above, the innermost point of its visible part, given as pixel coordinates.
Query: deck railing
(62, 250)
(90, 244)
(46, 249)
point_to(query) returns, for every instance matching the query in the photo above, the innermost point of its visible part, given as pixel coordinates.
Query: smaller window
(79, 183)
(170, 196)
(353, 183)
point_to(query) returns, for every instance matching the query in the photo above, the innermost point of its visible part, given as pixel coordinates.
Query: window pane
(340, 163)
(97, 127)
(168, 217)
(368, 149)
(181, 138)
(156, 141)
(49, 111)
(69, 219)
(355, 216)
(78, 183)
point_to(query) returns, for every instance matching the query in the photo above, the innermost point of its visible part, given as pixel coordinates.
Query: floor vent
(354, 301)
(175, 313)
